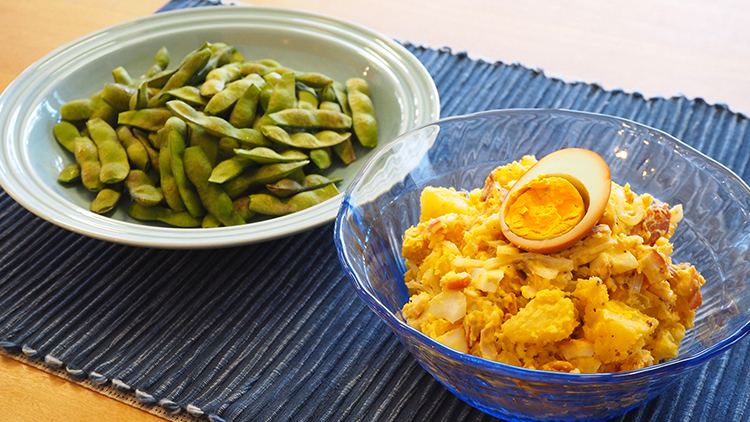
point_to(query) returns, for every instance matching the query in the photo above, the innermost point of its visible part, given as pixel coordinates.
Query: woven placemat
(273, 331)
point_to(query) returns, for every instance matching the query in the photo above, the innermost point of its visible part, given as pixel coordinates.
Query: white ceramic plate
(403, 93)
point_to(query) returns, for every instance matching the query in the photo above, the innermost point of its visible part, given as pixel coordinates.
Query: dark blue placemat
(273, 331)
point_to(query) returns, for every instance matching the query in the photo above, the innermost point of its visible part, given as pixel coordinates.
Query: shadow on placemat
(273, 331)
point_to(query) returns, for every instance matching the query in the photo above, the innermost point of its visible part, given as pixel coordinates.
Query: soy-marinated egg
(557, 201)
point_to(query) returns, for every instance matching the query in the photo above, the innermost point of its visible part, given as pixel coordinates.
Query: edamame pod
(167, 181)
(112, 155)
(188, 192)
(87, 157)
(363, 113)
(188, 94)
(210, 222)
(151, 119)
(253, 176)
(322, 139)
(66, 134)
(134, 148)
(165, 215)
(282, 97)
(192, 65)
(313, 79)
(229, 168)
(311, 119)
(306, 97)
(142, 190)
(153, 154)
(241, 206)
(76, 110)
(263, 203)
(121, 76)
(345, 151)
(246, 107)
(216, 125)
(330, 105)
(219, 77)
(139, 100)
(225, 99)
(118, 95)
(321, 158)
(216, 201)
(342, 99)
(106, 200)
(288, 187)
(161, 61)
(263, 155)
(70, 174)
(199, 137)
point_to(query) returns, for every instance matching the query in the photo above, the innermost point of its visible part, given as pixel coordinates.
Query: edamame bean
(134, 148)
(112, 155)
(87, 157)
(167, 181)
(225, 99)
(288, 187)
(161, 61)
(106, 200)
(216, 125)
(263, 203)
(66, 134)
(76, 110)
(142, 190)
(321, 158)
(345, 151)
(192, 65)
(313, 80)
(190, 196)
(322, 139)
(311, 119)
(188, 94)
(165, 215)
(363, 114)
(229, 168)
(210, 222)
(216, 201)
(151, 119)
(219, 77)
(241, 206)
(263, 155)
(121, 76)
(153, 155)
(254, 176)
(306, 97)
(246, 107)
(199, 137)
(70, 174)
(118, 95)
(282, 97)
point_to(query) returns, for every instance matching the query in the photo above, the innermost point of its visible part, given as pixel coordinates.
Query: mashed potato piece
(612, 302)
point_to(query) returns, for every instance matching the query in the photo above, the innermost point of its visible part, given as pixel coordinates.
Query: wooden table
(695, 48)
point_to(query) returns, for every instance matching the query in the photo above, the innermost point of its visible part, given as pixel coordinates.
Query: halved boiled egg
(557, 201)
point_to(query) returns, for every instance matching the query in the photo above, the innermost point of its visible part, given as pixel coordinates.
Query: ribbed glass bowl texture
(383, 201)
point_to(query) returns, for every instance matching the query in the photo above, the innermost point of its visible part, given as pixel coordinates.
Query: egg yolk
(547, 207)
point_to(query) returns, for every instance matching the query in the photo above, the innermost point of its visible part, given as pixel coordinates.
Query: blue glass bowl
(459, 152)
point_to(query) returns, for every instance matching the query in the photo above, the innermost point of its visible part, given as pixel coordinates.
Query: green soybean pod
(313, 80)
(307, 98)
(216, 125)
(106, 200)
(311, 119)
(112, 155)
(87, 157)
(165, 215)
(217, 79)
(139, 100)
(305, 140)
(288, 187)
(187, 191)
(70, 174)
(193, 64)
(246, 107)
(150, 119)
(142, 190)
(161, 61)
(103, 110)
(241, 206)
(283, 96)
(342, 99)
(330, 105)
(66, 134)
(153, 155)
(216, 201)
(134, 148)
(225, 99)
(263, 155)
(80, 109)
(321, 158)
(118, 95)
(258, 176)
(121, 76)
(229, 169)
(210, 222)
(167, 181)
(263, 203)
(199, 137)
(188, 94)
(363, 113)
(345, 151)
